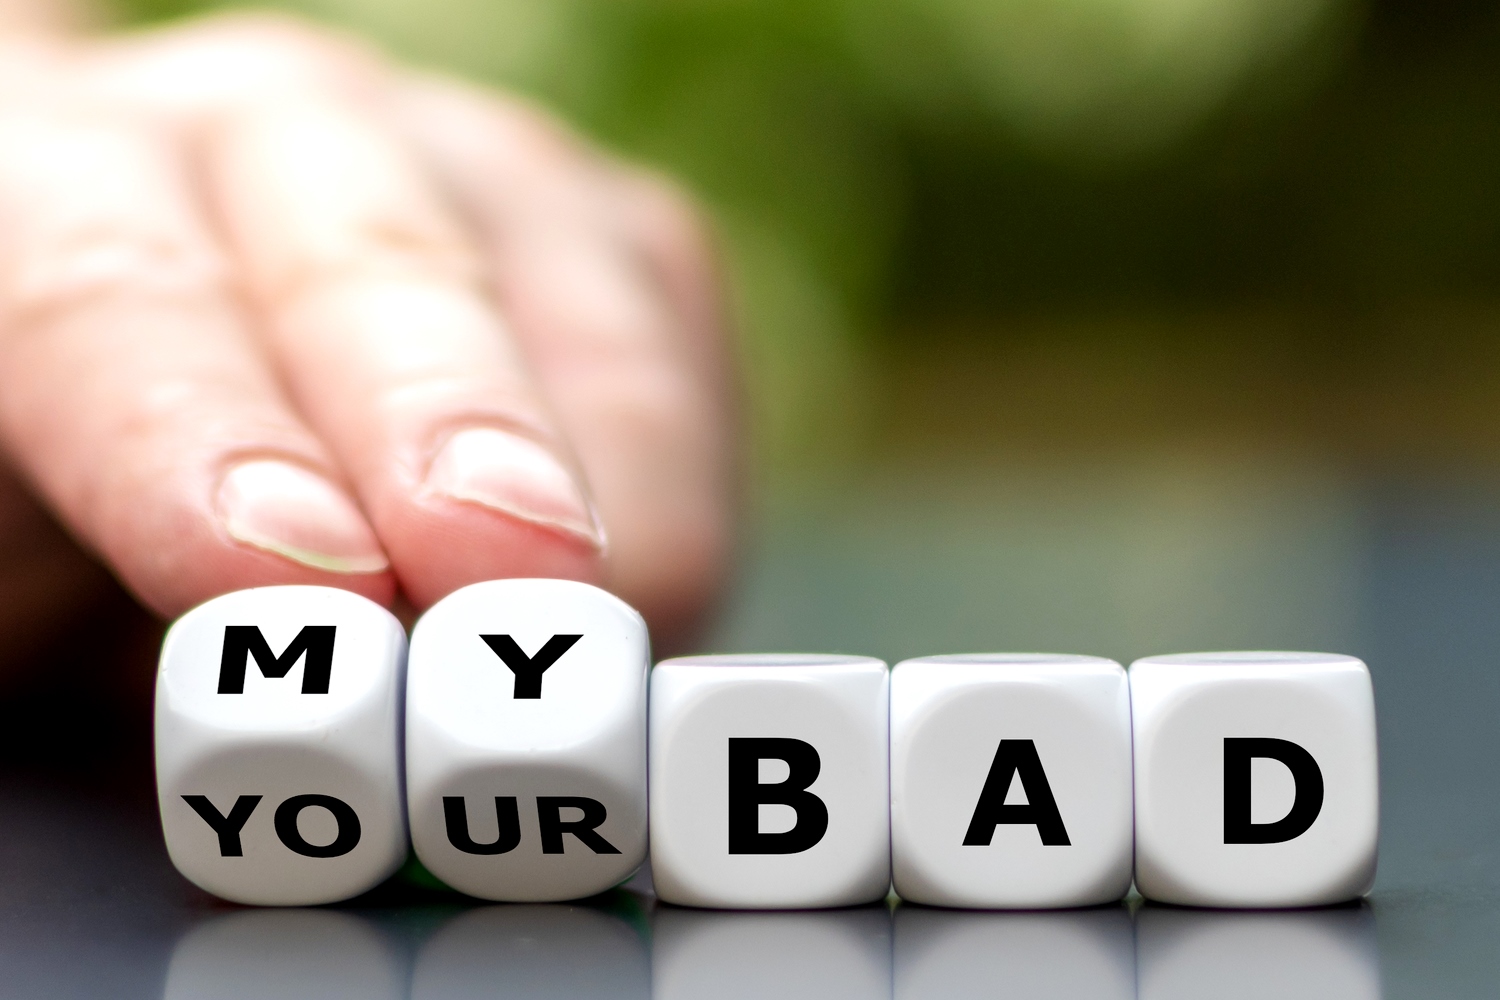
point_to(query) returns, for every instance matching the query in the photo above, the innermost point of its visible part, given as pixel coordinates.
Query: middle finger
(393, 350)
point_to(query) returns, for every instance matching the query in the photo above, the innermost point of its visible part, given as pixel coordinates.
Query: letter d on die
(1256, 779)
(526, 740)
(277, 758)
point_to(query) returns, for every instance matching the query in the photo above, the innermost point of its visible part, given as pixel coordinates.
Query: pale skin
(274, 310)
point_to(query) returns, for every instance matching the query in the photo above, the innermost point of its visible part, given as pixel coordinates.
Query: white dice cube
(769, 781)
(1256, 779)
(278, 758)
(1010, 780)
(526, 740)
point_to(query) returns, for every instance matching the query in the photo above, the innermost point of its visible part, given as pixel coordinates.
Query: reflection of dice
(1312, 954)
(537, 950)
(1010, 780)
(844, 955)
(947, 955)
(526, 740)
(277, 758)
(1255, 777)
(259, 954)
(768, 781)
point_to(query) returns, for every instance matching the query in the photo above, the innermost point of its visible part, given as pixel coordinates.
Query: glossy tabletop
(90, 905)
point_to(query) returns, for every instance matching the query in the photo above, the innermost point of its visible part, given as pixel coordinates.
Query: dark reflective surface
(841, 955)
(525, 951)
(1328, 954)
(90, 905)
(1049, 956)
(287, 953)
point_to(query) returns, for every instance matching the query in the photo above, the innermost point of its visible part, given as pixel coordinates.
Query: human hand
(273, 311)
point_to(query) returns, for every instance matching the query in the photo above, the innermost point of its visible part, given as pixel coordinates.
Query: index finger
(131, 393)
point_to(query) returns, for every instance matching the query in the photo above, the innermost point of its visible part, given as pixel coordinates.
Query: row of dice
(301, 746)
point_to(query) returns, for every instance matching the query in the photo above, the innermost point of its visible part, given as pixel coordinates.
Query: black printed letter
(529, 669)
(343, 842)
(550, 823)
(243, 641)
(1016, 757)
(747, 794)
(507, 816)
(1307, 801)
(227, 827)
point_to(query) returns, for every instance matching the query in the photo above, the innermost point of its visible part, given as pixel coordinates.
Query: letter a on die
(1010, 780)
(277, 759)
(1256, 778)
(526, 740)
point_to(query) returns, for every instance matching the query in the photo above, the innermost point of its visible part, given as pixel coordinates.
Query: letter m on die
(277, 745)
(242, 643)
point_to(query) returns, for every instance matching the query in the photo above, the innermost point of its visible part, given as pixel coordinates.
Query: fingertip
(491, 503)
(229, 566)
(447, 544)
(292, 512)
(515, 476)
(269, 522)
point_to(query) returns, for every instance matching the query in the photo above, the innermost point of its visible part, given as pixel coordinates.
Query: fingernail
(298, 514)
(515, 476)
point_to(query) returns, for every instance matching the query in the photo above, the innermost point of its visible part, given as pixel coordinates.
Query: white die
(755, 956)
(526, 740)
(946, 955)
(278, 762)
(1010, 780)
(1256, 779)
(801, 742)
(1304, 955)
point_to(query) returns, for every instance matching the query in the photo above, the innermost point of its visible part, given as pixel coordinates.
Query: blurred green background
(1103, 325)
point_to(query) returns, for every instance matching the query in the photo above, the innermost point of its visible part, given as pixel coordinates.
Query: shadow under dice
(526, 740)
(277, 758)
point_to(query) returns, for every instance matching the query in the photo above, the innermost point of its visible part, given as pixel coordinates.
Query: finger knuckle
(104, 265)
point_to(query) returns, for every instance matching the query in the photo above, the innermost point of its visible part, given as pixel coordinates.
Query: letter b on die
(769, 781)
